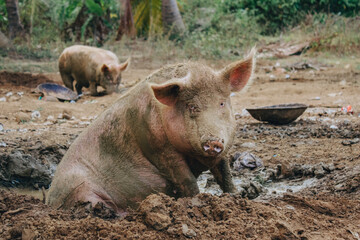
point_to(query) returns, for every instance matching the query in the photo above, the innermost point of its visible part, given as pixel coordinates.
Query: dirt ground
(306, 185)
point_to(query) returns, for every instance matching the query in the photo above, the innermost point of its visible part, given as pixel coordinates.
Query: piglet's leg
(222, 175)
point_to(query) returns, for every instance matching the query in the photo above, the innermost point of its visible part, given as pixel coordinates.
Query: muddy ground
(305, 183)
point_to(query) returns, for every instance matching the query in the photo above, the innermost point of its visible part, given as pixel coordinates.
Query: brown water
(26, 191)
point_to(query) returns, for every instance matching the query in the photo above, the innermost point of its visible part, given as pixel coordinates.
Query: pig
(90, 67)
(158, 137)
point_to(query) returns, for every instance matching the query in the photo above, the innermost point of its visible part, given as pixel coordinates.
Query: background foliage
(276, 15)
(214, 29)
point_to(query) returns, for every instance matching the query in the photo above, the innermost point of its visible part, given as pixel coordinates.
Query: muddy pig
(158, 137)
(90, 67)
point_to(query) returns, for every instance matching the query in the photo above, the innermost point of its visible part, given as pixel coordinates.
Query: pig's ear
(123, 66)
(166, 93)
(238, 74)
(105, 68)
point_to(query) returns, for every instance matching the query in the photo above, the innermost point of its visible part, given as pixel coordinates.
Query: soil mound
(22, 79)
(202, 217)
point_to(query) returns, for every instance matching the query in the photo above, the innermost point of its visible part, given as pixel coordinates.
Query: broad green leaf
(94, 7)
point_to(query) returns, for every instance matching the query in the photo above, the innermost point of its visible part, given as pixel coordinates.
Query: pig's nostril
(206, 147)
(217, 149)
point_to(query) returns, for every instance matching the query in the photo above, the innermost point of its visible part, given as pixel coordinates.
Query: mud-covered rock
(23, 169)
(250, 189)
(246, 160)
(30, 163)
(319, 171)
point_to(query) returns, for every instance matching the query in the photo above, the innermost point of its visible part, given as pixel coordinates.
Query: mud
(306, 187)
(203, 217)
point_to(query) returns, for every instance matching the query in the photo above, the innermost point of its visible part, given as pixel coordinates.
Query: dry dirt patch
(22, 79)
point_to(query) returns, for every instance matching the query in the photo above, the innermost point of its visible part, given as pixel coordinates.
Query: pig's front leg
(183, 181)
(93, 89)
(222, 175)
(78, 88)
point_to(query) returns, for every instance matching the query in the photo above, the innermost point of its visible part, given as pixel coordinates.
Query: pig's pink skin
(152, 139)
(90, 67)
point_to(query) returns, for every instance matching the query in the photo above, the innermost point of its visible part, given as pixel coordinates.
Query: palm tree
(15, 27)
(171, 17)
(156, 16)
(126, 21)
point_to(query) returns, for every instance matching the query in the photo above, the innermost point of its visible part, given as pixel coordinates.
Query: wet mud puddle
(244, 186)
(253, 187)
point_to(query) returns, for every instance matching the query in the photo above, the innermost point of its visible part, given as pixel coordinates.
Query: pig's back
(79, 54)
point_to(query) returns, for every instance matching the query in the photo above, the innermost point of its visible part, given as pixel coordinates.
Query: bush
(3, 16)
(66, 20)
(277, 15)
(213, 33)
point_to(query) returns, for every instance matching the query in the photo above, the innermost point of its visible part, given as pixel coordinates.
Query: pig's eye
(222, 104)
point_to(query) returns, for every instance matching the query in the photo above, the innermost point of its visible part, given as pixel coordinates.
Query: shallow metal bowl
(278, 114)
(56, 90)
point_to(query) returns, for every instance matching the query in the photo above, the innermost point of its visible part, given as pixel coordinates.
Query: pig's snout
(213, 148)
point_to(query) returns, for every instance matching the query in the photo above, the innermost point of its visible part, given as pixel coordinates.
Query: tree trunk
(171, 17)
(15, 27)
(126, 21)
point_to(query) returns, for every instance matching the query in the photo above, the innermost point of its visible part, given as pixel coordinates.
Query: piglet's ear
(105, 68)
(167, 93)
(239, 73)
(123, 66)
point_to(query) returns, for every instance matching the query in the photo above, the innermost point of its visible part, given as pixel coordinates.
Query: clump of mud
(22, 79)
(204, 216)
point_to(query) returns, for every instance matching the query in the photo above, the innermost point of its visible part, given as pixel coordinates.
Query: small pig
(90, 67)
(158, 137)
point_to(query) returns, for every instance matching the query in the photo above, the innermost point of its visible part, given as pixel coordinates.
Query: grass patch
(28, 65)
(329, 33)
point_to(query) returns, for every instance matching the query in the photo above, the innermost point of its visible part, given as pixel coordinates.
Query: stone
(248, 145)
(188, 232)
(246, 160)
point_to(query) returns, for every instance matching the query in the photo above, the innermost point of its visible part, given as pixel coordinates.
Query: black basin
(278, 114)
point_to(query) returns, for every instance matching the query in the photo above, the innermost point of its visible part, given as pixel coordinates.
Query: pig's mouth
(111, 88)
